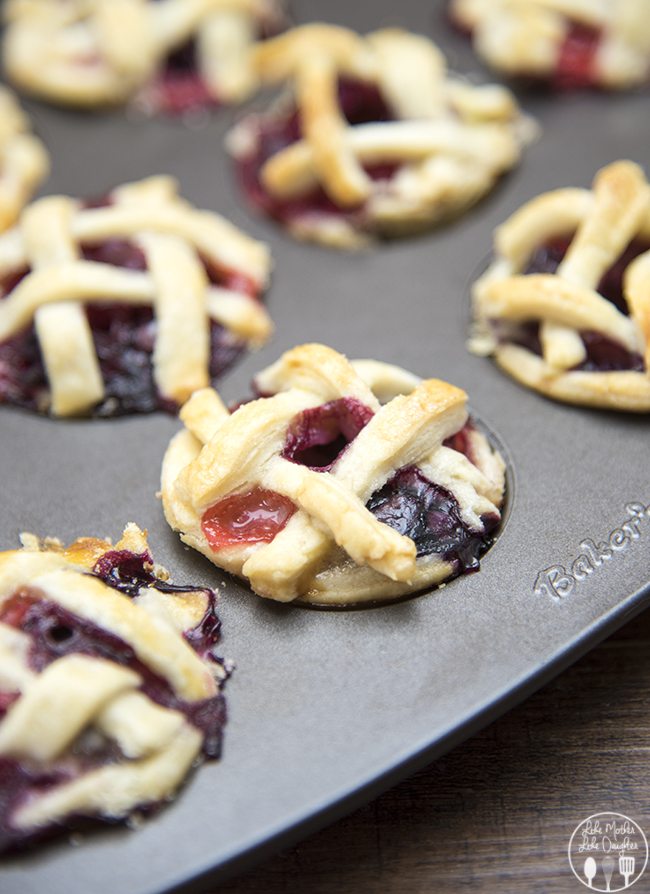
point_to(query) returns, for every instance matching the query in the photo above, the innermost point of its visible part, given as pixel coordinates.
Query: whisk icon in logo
(608, 852)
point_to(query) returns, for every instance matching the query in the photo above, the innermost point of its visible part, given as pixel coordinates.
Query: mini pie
(318, 492)
(570, 43)
(23, 160)
(372, 137)
(110, 688)
(565, 306)
(127, 304)
(176, 55)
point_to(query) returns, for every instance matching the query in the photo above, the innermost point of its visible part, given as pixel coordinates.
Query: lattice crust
(24, 161)
(85, 727)
(333, 550)
(176, 239)
(94, 52)
(449, 140)
(605, 221)
(526, 37)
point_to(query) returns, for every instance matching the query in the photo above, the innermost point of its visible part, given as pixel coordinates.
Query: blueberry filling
(124, 337)
(525, 335)
(602, 354)
(55, 632)
(430, 516)
(408, 502)
(128, 572)
(548, 257)
(18, 783)
(360, 103)
(317, 437)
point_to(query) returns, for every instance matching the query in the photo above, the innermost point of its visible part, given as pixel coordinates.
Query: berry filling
(603, 354)
(55, 632)
(360, 103)
(128, 572)
(408, 502)
(124, 337)
(430, 516)
(547, 258)
(20, 782)
(462, 441)
(179, 88)
(243, 519)
(576, 64)
(317, 437)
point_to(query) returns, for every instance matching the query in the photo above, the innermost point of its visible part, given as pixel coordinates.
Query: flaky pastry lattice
(23, 159)
(109, 686)
(572, 43)
(317, 492)
(565, 306)
(126, 304)
(179, 54)
(373, 138)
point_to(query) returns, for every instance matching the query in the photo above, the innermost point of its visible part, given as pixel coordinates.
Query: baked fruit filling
(408, 502)
(169, 56)
(576, 64)
(179, 87)
(124, 337)
(140, 739)
(256, 516)
(430, 516)
(346, 482)
(360, 103)
(602, 353)
(137, 357)
(372, 137)
(564, 305)
(317, 437)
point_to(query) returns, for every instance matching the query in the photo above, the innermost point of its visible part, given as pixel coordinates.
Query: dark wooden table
(497, 813)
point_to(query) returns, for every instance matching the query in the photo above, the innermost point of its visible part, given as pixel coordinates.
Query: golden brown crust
(605, 222)
(332, 537)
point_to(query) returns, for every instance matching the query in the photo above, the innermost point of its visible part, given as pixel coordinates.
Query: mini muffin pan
(326, 709)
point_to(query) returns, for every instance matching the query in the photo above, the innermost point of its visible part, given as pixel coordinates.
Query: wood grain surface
(497, 813)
